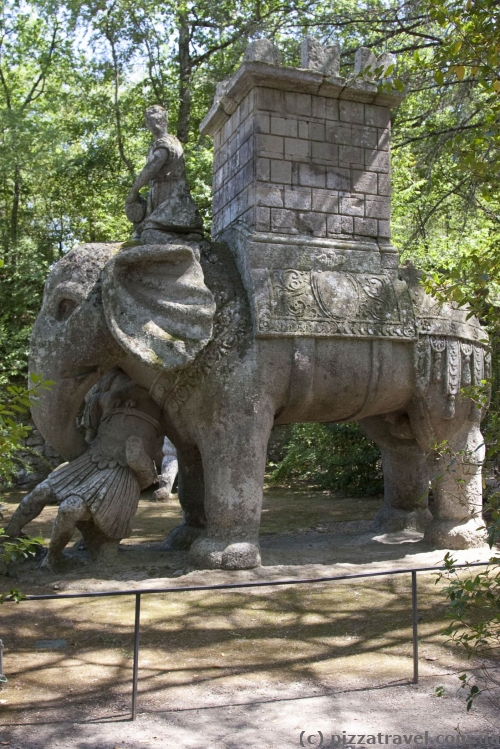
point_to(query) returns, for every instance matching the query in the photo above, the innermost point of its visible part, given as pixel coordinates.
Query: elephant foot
(181, 538)
(393, 520)
(162, 494)
(453, 534)
(215, 554)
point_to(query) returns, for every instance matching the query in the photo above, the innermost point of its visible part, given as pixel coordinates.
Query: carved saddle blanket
(450, 345)
(332, 304)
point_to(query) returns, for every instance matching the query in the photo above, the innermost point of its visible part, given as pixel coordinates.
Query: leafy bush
(474, 610)
(15, 401)
(15, 549)
(332, 456)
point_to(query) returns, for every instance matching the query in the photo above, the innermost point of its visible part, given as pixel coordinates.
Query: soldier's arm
(158, 159)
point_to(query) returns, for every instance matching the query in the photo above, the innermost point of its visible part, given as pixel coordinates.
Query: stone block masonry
(301, 155)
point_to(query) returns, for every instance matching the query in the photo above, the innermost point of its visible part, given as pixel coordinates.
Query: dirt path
(274, 722)
(230, 669)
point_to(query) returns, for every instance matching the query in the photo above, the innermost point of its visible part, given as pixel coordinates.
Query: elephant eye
(65, 309)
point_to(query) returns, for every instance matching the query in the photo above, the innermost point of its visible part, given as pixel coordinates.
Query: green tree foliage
(447, 154)
(332, 456)
(466, 71)
(15, 402)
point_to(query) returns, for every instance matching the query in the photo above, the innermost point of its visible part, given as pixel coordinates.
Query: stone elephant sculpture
(178, 322)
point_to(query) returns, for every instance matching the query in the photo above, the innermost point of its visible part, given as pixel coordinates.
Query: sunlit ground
(213, 647)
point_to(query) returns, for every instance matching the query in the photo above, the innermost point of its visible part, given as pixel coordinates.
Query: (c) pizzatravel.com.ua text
(327, 740)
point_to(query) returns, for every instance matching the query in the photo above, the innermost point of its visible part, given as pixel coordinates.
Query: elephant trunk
(55, 410)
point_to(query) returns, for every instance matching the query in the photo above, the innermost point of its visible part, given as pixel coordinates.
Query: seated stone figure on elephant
(169, 206)
(99, 491)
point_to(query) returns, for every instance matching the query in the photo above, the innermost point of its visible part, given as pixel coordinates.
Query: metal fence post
(415, 624)
(135, 673)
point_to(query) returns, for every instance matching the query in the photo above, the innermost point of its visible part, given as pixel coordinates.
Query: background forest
(75, 78)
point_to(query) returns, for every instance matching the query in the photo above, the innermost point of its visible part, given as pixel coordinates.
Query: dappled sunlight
(216, 643)
(284, 510)
(210, 648)
(287, 510)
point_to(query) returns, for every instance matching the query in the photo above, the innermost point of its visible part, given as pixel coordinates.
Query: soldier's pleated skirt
(110, 493)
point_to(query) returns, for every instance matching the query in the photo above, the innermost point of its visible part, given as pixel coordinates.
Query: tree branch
(116, 102)
(30, 96)
(432, 134)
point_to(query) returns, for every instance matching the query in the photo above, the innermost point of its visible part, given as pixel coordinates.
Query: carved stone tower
(302, 183)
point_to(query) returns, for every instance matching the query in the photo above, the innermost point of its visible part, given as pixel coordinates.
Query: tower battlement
(302, 154)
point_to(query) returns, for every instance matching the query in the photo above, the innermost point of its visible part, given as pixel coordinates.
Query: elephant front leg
(191, 491)
(457, 486)
(234, 460)
(406, 475)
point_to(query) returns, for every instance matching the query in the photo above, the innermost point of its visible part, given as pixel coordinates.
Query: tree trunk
(116, 101)
(184, 79)
(14, 216)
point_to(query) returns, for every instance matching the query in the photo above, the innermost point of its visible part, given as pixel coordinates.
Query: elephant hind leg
(406, 474)
(191, 492)
(457, 485)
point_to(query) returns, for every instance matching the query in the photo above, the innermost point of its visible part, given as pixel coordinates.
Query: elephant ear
(157, 305)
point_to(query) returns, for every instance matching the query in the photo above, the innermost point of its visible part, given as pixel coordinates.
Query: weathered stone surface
(262, 50)
(324, 60)
(371, 67)
(169, 471)
(300, 314)
(364, 61)
(302, 141)
(332, 61)
(101, 487)
(312, 54)
(322, 303)
(169, 206)
(385, 60)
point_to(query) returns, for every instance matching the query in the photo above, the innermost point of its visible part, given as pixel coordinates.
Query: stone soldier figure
(169, 470)
(169, 206)
(104, 483)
